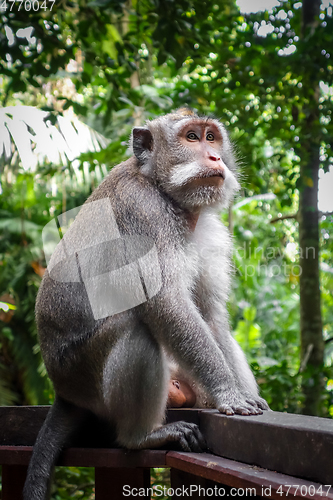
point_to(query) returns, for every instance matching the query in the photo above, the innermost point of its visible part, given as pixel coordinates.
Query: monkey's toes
(189, 437)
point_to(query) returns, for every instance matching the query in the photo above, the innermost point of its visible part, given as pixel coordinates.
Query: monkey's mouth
(212, 177)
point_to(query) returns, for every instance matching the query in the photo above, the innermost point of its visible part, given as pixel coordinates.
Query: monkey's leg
(135, 387)
(61, 421)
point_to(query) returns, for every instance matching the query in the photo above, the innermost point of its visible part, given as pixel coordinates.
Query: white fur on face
(182, 174)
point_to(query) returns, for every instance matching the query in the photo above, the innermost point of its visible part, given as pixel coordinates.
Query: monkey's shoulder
(137, 202)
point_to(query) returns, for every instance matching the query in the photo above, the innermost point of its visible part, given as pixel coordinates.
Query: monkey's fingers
(262, 404)
(226, 409)
(258, 411)
(247, 409)
(258, 403)
(255, 401)
(254, 405)
(240, 408)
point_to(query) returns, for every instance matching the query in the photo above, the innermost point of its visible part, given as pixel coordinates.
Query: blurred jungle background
(77, 75)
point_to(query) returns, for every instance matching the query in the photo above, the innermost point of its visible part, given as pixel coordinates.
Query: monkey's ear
(142, 143)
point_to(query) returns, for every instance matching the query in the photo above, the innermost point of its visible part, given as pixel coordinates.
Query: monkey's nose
(214, 157)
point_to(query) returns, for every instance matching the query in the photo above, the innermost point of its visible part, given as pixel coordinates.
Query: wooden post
(13, 478)
(184, 480)
(198, 487)
(109, 482)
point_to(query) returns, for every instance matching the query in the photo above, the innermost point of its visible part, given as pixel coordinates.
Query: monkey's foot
(187, 435)
(183, 435)
(236, 403)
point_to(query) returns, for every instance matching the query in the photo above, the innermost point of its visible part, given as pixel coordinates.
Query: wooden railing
(274, 455)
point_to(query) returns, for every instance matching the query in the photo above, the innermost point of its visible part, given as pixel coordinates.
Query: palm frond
(29, 133)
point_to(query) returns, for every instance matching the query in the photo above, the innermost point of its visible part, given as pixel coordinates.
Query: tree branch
(287, 216)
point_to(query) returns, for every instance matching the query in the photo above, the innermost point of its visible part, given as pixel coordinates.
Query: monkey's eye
(191, 136)
(210, 137)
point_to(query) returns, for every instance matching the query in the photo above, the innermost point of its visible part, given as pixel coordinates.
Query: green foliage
(280, 386)
(74, 482)
(191, 53)
(131, 61)
(26, 206)
(264, 306)
(160, 478)
(78, 482)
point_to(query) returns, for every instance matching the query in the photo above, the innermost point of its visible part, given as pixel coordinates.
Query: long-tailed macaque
(139, 283)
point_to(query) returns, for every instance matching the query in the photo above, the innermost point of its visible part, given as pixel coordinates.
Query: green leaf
(250, 313)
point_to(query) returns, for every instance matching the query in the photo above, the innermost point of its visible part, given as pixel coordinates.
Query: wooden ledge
(296, 445)
(238, 475)
(89, 457)
(225, 472)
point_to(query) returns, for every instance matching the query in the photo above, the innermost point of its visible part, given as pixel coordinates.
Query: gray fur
(118, 367)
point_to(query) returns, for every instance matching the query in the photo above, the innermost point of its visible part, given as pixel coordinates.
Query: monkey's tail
(61, 421)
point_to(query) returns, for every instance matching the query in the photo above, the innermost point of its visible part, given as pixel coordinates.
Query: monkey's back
(73, 342)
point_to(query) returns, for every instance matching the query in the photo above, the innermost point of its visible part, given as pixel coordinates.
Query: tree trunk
(312, 344)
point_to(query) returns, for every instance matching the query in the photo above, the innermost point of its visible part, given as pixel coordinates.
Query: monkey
(180, 394)
(135, 294)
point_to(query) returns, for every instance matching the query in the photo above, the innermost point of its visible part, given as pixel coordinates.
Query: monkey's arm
(235, 358)
(179, 327)
(210, 299)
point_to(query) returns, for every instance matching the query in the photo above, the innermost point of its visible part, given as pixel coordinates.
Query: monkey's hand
(255, 400)
(231, 402)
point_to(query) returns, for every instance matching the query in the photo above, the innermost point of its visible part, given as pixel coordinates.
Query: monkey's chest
(198, 259)
(207, 264)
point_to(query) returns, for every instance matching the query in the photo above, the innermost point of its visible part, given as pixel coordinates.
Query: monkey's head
(190, 158)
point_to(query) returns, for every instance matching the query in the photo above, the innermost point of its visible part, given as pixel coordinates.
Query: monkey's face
(201, 175)
(190, 159)
(202, 143)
